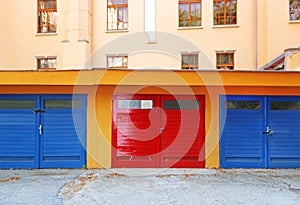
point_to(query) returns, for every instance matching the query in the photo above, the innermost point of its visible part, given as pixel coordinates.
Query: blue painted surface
(18, 135)
(284, 143)
(243, 143)
(61, 143)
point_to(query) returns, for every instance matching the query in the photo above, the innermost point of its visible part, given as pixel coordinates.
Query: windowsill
(46, 34)
(46, 69)
(294, 22)
(189, 27)
(116, 31)
(227, 26)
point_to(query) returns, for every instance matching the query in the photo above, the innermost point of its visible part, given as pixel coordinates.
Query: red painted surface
(135, 134)
(182, 139)
(158, 137)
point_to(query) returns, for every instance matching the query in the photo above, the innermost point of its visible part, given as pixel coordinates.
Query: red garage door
(158, 131)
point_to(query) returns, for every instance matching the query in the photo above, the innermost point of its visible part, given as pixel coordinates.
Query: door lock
(268, 131)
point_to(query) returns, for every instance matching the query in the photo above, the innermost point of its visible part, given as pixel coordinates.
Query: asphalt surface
(150, 186)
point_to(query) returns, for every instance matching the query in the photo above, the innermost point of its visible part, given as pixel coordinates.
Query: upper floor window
(47, 15)
(189, 13)
(47, 62)
(225, 60)
(189, 61)
(117, 61)
(225, 12)
(294, 10)
(117, 15)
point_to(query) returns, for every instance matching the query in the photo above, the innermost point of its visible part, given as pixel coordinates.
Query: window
(189, 13)
(181, 104)
(242, 105)
(189, 61)
(117, 15)
(135, 104)
(47, 15)
(46, 62)
(62, 104)
(289, 105)
(294, 10)
(225, 60)
(117, 61)
(225, 12)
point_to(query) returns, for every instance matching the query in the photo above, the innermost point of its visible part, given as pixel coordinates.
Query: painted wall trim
(151, 78)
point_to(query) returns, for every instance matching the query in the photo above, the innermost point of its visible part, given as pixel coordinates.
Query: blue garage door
(284, 139)
(18, 135)
(259, 132)
(42, 131)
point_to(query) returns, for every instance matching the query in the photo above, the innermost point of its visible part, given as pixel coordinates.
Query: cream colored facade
(263, 31)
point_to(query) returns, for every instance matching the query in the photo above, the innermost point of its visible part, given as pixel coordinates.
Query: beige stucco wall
(20, 42)
(292, 60)
(82, 28)
(206, 39)
(282, 33)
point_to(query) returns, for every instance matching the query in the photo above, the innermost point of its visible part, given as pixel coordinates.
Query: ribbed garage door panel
(63, 139)
(17, 139)
(284, 147)
(158, 136)
(242, 140)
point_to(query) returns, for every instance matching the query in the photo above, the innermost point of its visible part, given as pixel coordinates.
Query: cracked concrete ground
(150, 186)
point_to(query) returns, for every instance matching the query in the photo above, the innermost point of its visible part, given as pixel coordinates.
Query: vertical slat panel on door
(63, 131)
(242, 144)
(182, 137)
(284, 142)
(135, 131)
(18, 139)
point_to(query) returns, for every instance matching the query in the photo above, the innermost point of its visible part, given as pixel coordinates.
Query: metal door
(284, 129)
(18, 134)
(136, 123)
(242, 120)
(62, 131)
(259, 132)
(42, 131)
(182, 137)
(158, 131)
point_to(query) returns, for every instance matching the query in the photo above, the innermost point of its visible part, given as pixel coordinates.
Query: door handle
(36, 111)
(41, 129)
(268, 131)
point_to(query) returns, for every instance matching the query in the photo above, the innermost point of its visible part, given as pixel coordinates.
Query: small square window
(117, 61)
(47, 16)
(189, 61)
(47, 63)
(225, 61)
(294, 10)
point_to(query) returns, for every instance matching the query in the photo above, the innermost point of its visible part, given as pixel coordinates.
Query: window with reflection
(189, 13)
(117, 15)
(117, 61)
(46, 63)
(189, 61)
(47, 16)
(294, 10)
(242, 105)
(225, 12)
(225, 60)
